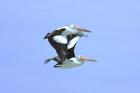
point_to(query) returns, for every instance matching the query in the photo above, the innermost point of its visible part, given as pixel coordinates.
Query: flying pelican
(71, 60)
(58, 39)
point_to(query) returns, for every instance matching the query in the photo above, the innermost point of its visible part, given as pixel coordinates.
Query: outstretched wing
(61, 49)
(72, 41)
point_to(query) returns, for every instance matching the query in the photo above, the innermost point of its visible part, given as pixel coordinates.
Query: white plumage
(60, 39)
(73, 42)
(72, 62)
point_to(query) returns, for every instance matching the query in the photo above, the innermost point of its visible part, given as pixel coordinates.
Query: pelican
(60, 34)
(71, 60)
(58, 39)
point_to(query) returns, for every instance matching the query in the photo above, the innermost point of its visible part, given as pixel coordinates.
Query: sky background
(115, 43)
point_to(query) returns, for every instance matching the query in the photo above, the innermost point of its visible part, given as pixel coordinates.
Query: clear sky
(115, 43)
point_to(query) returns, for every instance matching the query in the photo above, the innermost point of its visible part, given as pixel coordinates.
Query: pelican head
(77, 29)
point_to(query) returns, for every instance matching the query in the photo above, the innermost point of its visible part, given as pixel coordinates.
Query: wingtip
(46, 36)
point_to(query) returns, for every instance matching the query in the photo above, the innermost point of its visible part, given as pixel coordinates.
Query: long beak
(88, 59)
(82, 29)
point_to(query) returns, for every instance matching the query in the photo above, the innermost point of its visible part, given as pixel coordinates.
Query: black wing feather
(54, 33)
(71, 50)
(61, 49)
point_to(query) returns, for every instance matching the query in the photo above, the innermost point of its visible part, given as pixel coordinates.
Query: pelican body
(70, 63)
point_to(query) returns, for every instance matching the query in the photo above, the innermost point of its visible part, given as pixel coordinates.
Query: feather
(60, 39)
(73, 42)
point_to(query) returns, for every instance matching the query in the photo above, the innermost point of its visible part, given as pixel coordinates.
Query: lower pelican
(72, 62)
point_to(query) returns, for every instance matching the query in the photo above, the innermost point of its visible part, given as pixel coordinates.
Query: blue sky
(115, 43)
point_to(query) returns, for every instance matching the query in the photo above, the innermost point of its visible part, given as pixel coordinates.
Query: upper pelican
(60, 34)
